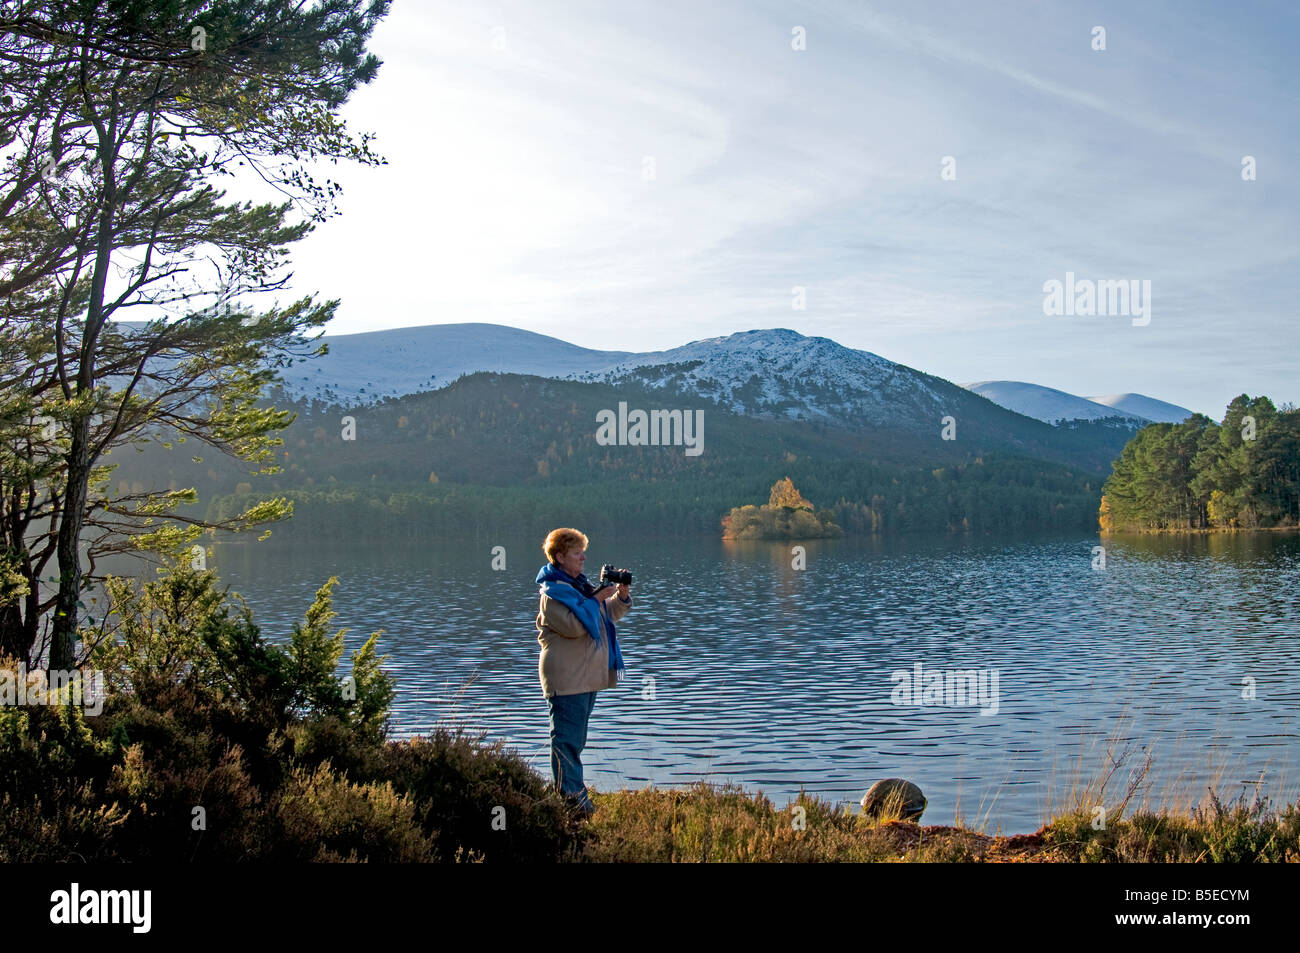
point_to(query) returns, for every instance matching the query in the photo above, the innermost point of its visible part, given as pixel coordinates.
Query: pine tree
(118, 119)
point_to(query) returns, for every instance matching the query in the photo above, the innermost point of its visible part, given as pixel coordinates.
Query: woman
(580, 653)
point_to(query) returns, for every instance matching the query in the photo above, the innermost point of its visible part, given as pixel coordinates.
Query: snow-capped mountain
(781, 373)
(771, 373)
(775, 372)
(1044, 403)
(363, 368)
(1146, 407)
(1051, 405)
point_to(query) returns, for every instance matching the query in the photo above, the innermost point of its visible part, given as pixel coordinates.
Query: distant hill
(364, 368)
(1045, 403)
(1051, 405)
(1154, 410)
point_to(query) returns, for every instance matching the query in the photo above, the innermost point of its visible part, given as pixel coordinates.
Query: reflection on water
(741, 668)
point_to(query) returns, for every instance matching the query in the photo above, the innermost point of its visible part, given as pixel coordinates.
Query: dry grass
(725, 824)
(709, 823)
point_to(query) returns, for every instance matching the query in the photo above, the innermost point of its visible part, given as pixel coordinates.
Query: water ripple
(780, 679)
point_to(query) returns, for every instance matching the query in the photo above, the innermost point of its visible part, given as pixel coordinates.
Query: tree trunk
(63, 642)
(20, 619)
(64, 634)
(12, 644)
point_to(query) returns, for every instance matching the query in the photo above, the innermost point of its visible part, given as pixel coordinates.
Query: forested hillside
(499, 452)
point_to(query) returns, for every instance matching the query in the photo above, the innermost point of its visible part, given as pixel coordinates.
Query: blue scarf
(575, 595)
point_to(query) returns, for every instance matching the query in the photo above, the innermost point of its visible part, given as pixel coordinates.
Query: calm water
(742, 668)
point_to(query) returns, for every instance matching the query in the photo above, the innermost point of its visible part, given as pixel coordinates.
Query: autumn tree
(784, 494)
(1104, 519)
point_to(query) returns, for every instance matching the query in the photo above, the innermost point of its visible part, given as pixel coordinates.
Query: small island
(787, 515)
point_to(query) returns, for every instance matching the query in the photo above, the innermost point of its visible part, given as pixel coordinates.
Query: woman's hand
(624, 590)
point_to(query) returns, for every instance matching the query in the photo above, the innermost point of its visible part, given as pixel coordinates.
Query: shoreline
(1206, 531)
(709, 824)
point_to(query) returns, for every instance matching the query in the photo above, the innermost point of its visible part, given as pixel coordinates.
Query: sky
(634, 176)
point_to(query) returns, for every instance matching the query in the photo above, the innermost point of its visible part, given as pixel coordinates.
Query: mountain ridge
(768, 372)
(786, 362)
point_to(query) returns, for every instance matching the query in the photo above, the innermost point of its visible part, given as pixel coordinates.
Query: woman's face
(572, 561)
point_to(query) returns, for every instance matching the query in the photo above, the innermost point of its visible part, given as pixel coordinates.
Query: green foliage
(461, 786)
(50, 768)
(182, 756)
(13, 584)
(352, 712)
(373, 691)
(114, 152)
(329, 819)
(1214, 832)
(157, 640)
(178, 628)
(1242, 473)
(286, 759)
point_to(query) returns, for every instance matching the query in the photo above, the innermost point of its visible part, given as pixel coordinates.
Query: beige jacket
(572, 662)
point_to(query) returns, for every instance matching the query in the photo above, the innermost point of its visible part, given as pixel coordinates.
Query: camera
(609, 576)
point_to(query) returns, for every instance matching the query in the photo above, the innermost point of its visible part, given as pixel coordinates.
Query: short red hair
(560, 541)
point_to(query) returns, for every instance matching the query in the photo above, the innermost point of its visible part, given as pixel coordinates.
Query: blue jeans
(569, 716)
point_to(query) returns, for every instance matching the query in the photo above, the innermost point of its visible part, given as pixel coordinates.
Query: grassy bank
(728, 824)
